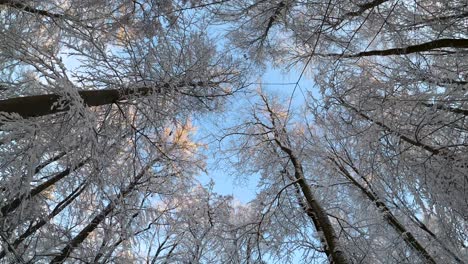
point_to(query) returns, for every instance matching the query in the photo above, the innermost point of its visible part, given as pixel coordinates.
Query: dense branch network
(99, 162)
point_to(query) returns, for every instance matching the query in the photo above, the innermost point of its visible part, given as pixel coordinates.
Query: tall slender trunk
(84, 233)
(32, 229)
(314, 209)
(407, 236)
(319, 216)
(11, 206)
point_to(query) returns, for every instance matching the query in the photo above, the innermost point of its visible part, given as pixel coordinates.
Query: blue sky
(273, 81)
(244, 188)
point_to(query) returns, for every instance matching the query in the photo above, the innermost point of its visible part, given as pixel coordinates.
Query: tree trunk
(10, 207)
(407, 236)
(424, 47)
(314, 210)
(41, 105)
(84, 233)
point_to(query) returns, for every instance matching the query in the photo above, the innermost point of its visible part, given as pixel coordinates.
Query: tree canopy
(100, 156)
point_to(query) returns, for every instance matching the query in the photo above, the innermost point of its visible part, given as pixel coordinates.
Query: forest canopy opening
(101, 158)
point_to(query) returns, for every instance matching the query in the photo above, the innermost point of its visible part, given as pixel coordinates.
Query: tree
(98, 162)
(95, 124)
(391, 78)
(374, 219)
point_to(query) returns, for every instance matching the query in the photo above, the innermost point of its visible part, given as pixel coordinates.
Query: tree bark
(363, 8)
(314, 210)
(21, 6)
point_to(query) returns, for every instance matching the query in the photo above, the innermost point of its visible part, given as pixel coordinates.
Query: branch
(447, 108)
(415, 143)
(62, 205)
(49, 161)
(431, 45)
(364, 7)
(29, 9)
(279, 8)
(407, 236)
(273, 18)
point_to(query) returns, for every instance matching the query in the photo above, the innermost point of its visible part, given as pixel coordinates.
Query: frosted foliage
(100, 149)
(377, 203)
(387, 117)
(83, 178)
